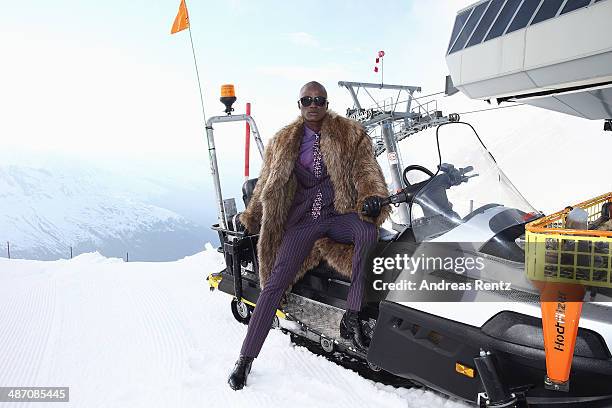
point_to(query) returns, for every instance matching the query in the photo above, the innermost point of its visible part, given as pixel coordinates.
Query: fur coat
(354, 173)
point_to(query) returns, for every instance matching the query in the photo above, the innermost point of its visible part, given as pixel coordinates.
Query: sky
(107, 78)
(106, 81)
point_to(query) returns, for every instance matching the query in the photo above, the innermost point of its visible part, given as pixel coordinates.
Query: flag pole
(195, 62)
(181, 21)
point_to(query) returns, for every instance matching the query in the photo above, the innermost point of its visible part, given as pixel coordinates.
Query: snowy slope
(152, 335)
(45, 210)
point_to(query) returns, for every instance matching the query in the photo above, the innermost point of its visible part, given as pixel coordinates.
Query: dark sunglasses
(308, 100)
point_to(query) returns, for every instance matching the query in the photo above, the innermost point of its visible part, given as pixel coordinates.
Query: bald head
(313, 86)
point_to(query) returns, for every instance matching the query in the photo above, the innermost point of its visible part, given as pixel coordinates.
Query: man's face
(313, 113)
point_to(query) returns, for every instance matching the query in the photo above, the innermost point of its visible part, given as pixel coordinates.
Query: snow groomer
(308, 205)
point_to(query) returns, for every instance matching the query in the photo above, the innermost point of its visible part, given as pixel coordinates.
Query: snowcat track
(323, 320)
(352, 363)
(319, 318)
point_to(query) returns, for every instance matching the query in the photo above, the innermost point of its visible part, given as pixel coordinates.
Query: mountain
(46, 209)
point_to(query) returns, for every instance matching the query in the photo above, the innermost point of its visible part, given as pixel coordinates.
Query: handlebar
(404, 195)
(447, 177)
(456, 176)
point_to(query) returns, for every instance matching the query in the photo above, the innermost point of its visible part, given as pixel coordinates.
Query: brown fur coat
(354, 173)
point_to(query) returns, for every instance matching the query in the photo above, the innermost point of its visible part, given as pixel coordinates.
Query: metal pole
(256, 135)
(195, 62)
(214, 167)
(408, 107)
(214, 171)
(70, 252)
(211, 143)
(8, 249)
(352, 92)
(240, 118)
(377, 86)
(395, 167)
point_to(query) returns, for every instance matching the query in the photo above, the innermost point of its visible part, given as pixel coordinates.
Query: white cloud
(303, 39)
(300, 72)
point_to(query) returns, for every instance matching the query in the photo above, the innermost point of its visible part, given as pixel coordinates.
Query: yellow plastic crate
(554, 253)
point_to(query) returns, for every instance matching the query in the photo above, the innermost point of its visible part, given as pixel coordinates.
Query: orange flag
(181, 21)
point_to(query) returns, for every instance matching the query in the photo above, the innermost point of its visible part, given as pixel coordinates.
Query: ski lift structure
(392, 119)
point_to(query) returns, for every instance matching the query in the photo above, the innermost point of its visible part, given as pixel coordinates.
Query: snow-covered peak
(46, 210)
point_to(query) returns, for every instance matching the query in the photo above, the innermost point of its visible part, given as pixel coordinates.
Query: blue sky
(104, 78)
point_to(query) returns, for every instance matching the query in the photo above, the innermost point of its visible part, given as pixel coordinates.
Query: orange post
(561, 307)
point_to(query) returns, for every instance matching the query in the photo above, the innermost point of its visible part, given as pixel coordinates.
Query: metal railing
(6, 253)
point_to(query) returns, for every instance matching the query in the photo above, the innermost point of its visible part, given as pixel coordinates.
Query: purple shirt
(306, 157)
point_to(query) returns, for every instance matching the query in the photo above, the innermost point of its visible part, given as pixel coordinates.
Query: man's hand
(372, 206)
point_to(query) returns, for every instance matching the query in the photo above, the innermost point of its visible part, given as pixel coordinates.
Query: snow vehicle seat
(247, 190)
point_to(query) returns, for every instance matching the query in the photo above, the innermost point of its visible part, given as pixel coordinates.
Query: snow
(143, 334)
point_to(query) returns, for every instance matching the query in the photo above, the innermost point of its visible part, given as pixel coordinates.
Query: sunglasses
(308, 100)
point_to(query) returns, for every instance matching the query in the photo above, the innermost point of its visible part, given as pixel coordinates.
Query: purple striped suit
(301, 232)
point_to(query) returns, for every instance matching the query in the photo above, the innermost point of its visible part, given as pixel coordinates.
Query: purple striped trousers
(297, 243)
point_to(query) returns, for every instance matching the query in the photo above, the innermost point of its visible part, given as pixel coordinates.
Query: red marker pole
(247, 142)
(381, 55)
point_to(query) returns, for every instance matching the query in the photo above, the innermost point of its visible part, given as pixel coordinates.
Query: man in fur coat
(318, 197)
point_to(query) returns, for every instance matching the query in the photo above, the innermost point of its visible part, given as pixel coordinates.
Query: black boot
(350, 328)
(238, 377)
